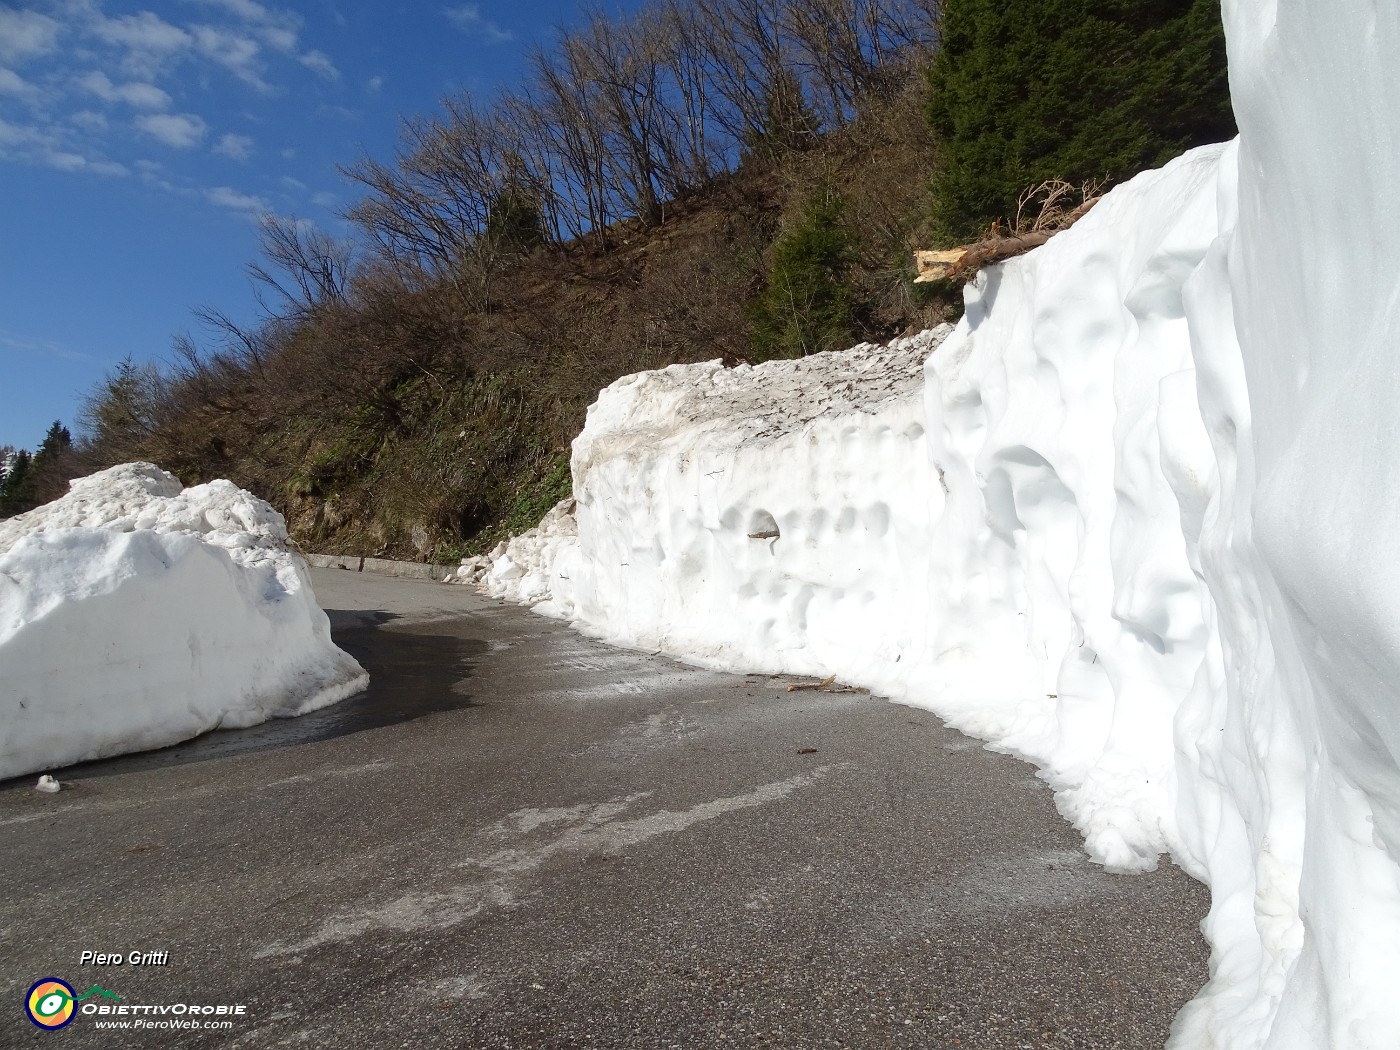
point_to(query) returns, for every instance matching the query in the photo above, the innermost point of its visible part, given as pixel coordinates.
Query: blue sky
(139, 141)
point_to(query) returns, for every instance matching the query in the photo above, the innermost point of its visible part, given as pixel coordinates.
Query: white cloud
(248, 10)
(292, 183)
(28, 344)
(469, 19)
(13, 136)
(152, 174)
(89, 120)
(51, 146)
(134, 93)
(278, 29)
(65, 161)
(319, 64)
(227, 197)
(145, 34)
(176, 130)
(373, 84)
(279, 38)
(235, 147)
(14, 85)
(235, 52)
(325, 200)
(24, 34)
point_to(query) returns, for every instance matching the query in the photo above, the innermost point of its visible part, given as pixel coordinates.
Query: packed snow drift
(1134, 520)
(135, 614)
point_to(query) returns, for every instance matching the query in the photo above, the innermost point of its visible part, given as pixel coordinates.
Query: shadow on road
(412, 673)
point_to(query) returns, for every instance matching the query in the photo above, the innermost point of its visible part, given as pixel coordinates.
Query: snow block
(1136, 525)
(135, 614)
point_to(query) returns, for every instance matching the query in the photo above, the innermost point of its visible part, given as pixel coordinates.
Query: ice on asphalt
(1134, 521)
(135, 614)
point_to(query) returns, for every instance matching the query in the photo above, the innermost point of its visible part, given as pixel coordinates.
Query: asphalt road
(522, 838)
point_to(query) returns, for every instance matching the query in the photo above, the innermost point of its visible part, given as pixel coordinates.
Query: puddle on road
(412, 673)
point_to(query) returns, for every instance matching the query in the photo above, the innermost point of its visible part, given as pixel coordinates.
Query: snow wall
(134, 615)
(1137, 524)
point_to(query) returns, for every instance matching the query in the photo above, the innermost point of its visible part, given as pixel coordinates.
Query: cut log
(964, 261)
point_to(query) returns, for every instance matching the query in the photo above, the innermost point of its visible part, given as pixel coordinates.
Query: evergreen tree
(789, 122)
(807, 306)
(1068, 89)
(513, 221)
(118, 413)
(56, 440)
(53, 466)
(17, 489)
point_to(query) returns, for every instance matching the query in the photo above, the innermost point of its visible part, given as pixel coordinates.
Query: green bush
(1068, 89)
(808, 305)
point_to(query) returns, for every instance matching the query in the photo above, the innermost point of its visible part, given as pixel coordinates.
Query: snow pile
(997, 538)
(775, 517)
(134, 614)
(1290, 739)
(1137, 525)
(521, 567)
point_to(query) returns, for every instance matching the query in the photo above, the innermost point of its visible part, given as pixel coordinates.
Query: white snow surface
(1135, 521)
(521, 568)
(135, 614)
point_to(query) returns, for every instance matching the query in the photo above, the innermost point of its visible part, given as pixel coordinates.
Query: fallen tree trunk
(965, 260)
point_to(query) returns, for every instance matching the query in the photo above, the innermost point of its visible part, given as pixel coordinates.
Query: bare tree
(616, 119)
(305, 266)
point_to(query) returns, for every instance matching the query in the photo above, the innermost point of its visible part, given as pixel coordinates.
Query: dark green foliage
(1068, 89)
(514, 222)
(54, 464)
(117, 415)
(57, 440)
(807, 306)
(42, 477)
(17, 488)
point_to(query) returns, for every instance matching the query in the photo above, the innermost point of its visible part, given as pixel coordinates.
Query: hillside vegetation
(714, 178)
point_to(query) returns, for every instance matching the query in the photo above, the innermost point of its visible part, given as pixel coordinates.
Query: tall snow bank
(135, 614)
(1290, 741)
(775, 517)
(995, 535)
(1141, 529)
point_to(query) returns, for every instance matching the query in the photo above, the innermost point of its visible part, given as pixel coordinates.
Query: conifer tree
(118, 414)
(16, 490)
(1068, 89)
(789, 122)
(54, 464)
(807, 306)
(513, 221)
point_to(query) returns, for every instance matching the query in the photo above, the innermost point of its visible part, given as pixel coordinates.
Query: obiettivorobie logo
(52, 1003)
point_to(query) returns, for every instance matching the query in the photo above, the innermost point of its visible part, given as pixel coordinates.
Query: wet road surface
(519, 837)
